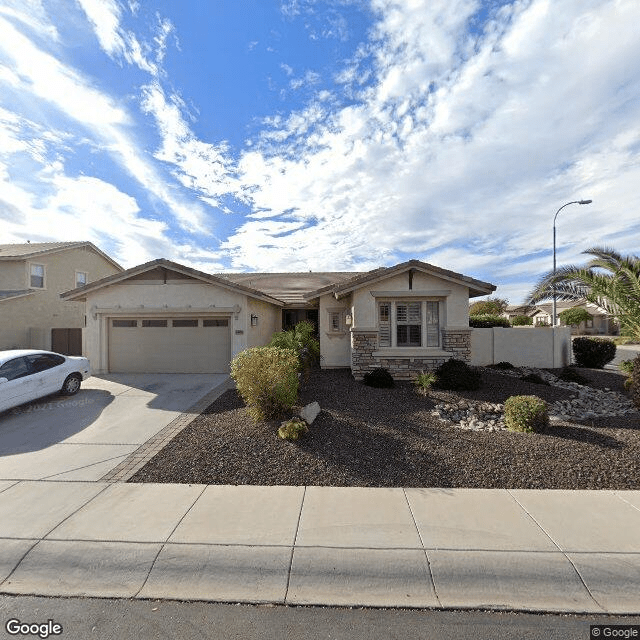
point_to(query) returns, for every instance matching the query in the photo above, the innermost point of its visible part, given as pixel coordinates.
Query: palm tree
(610, 280)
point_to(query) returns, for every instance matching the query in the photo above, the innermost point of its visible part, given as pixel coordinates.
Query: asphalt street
(108, 619)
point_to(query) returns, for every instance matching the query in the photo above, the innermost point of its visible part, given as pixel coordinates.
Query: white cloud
(200, 166)
(105, 17)
(461, 147)
(32, 14)
(50, 81)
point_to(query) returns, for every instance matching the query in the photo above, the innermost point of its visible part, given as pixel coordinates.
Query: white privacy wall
(522, 347)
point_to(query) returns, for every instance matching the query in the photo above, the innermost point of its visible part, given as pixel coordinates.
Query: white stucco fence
(522, 347)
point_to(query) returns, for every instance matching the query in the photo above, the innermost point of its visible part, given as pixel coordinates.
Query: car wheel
(71, 385)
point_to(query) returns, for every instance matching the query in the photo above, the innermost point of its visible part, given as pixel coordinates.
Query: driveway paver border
(147, 450)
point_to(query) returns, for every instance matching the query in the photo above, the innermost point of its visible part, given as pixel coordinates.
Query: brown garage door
(169, 345)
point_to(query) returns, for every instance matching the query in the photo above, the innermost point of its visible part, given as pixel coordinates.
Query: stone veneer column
(458, 342)
(363, 344)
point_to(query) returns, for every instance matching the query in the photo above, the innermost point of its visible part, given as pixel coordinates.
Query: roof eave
(82, 292)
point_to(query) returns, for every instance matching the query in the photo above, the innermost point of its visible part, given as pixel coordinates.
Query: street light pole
(553, 312)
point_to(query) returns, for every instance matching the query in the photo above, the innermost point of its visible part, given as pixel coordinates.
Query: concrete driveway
(82, 437)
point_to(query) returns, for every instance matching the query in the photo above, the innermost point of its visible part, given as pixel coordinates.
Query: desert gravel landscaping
(393, 438)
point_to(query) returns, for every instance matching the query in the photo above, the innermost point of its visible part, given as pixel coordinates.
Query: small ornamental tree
(490, 306)
(301, 339)
(574, 316)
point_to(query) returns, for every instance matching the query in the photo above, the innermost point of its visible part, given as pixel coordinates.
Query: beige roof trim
(46, 248)
(81, 292)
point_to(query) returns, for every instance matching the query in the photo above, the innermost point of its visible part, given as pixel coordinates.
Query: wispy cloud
(105, 17)
(459, 135)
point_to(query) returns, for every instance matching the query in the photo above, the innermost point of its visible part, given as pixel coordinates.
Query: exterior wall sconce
(254, 320)
(348, 320)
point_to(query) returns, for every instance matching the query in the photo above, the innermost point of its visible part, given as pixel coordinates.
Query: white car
(28, 374)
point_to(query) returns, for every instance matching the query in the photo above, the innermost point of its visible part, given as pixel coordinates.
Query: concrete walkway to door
(86, 436)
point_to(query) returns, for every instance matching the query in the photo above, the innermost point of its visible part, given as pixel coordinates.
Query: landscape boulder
(310, 412)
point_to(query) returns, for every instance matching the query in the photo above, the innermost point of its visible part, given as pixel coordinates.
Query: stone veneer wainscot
(364, 343)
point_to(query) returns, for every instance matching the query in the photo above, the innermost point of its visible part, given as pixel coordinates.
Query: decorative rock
(589, 404)
(310, 412)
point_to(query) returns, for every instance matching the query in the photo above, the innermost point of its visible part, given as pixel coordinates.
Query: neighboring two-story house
(32, 277)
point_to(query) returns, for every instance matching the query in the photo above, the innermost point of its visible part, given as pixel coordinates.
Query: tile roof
(27, 249)
(290, 287)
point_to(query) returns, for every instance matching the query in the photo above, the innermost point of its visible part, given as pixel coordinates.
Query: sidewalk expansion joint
(293, 546)
(426, 555)
(564, 553)
(162, 546)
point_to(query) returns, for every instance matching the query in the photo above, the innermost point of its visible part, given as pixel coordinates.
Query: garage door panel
(170, 349)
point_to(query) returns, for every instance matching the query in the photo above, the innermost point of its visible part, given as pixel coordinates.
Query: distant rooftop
(26, 249)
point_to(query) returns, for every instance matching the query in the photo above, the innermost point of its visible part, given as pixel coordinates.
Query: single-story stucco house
(601, 322)
(165, 317)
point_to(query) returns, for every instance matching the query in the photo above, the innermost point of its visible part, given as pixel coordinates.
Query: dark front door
(67, 341)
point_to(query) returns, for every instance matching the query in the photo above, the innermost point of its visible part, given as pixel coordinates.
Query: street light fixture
(553, 313)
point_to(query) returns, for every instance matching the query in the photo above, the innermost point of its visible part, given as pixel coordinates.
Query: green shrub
(535, 378)
(487, 321)
(423, 382)
(379, 378)
(521, 321)
(267, 380)
(301, 340)
(626, 366)
(593, 352)
(501, 365)
(456, 375)
(293, 429)
(571, 375)
(527, 414)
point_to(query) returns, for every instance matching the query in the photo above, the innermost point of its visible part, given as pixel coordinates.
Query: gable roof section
(30, 250)
(81, 292)
(291, 288)
(476, 287)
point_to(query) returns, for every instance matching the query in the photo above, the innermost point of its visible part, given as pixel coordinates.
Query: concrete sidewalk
(570, 551)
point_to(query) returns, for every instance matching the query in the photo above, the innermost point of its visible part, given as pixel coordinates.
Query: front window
(37, 276)
(409, 324)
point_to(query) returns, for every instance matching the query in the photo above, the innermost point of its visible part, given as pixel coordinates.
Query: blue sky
(289, 135)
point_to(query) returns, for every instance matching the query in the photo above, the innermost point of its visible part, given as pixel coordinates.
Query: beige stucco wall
(527, 347)
(12, 275)
(335, 348)
(269, 321)
(454, 312)
(27, 321)
(135, 298)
